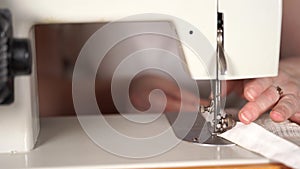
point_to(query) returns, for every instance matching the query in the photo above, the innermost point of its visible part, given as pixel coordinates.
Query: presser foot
(204, 131)
(216, 124)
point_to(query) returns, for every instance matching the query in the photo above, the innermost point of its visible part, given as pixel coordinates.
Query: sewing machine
(245, 36)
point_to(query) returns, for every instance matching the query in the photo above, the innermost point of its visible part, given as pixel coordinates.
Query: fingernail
(247, 117)
(252, 94)
(276, 116)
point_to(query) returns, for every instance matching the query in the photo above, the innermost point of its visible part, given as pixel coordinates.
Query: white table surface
(63, 144)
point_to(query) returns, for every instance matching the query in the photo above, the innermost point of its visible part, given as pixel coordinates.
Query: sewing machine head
(249, 31)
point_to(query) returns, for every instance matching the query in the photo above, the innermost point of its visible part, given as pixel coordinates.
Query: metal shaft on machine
(221, 69)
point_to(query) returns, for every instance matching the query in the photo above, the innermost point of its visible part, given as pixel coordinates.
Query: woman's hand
(143, 85)
(279, 94)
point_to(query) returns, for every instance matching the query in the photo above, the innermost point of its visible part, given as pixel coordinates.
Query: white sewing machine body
(63, 145)
(251, 41)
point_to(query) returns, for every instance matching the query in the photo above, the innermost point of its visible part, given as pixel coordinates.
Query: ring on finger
(279, 90)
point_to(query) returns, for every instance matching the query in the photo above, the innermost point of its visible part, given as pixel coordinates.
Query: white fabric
(257, 139)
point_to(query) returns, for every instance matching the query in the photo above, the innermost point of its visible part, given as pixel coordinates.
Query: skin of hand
(143, 85)
(262, 94)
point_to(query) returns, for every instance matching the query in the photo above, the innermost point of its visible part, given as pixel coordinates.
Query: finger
(171, 104)
(204, 102)
(287, 106)
(187, 97)
(253, 109)
(295, 118)
(254, 88)
(178, 93)
(173, 90)
(175, 105)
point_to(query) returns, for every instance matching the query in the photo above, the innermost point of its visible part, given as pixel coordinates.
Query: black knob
(6, 79)
(21, 57)
(15, 57)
